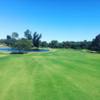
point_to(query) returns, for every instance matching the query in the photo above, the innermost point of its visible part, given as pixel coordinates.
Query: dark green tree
(85, 44)
(44, 44)
(8, 37)
(23, 44)
(95, 45)
(36, 39)
(9, 41)
(27, 34)
(65, 44)
(54, 44)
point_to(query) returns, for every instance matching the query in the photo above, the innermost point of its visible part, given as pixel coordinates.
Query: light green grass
(56, 75)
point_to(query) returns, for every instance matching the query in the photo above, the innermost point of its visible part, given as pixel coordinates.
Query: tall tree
(9, 41)
(95, 45)
(36, 39)
(23, 44)
(27, 34)
(15, 35)
(54, 44)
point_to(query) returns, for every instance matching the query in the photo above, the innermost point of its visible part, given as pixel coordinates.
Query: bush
(23, 44)
(17, 52)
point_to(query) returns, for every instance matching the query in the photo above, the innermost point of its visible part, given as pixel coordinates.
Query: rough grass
(58, 75)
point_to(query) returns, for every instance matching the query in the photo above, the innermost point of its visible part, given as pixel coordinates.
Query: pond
(15, 50)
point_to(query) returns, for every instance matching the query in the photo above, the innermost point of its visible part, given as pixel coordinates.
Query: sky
(62, 20)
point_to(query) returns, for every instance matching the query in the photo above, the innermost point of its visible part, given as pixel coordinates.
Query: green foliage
(44, 44)
(27, 34)
(70, 44)
(15, 35)
(36, 39)
(23, 44)
(10, 41)
(8, 37)
(54, 44)
(96, 44)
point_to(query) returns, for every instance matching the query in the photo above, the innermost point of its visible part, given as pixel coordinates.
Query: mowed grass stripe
(59, 72)
(12, 75)
(57, 75)
(78, 69)
(97, 82)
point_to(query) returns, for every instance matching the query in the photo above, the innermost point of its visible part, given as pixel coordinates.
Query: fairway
(60, 74)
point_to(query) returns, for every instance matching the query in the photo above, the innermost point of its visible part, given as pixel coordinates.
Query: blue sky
(56, 19)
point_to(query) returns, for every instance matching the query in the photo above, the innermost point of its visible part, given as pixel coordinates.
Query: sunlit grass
(55, 75)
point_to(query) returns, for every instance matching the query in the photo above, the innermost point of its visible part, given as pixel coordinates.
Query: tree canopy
(28, 34)
(15, 35)
(95, 45)
(23, 44)
(36, 39)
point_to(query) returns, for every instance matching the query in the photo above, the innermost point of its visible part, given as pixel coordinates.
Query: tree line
(29, 40)
(33, 40)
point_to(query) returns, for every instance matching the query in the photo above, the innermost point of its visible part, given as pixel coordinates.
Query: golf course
(60, 74)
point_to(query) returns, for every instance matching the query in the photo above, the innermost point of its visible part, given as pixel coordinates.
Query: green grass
(56, 75)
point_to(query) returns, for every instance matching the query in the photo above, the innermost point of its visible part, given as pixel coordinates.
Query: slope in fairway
(58, 75)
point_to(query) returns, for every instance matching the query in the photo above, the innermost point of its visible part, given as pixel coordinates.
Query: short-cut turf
(56, 75)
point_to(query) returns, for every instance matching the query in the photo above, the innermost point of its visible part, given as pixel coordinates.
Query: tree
(66, 44)
(27, 34)
(54, 44)
(15, 35)
(44, 44)
(8, 37)
(36, 39)
(95, 45)
(23, 44)
(85, 44)
(8, 40)
(2, 41)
